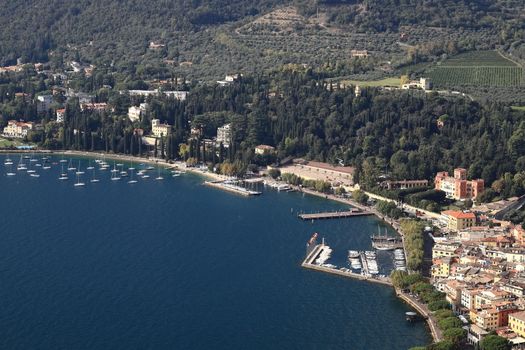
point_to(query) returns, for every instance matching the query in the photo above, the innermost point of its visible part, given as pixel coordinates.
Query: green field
(373, 83)
(6, 143)
(518, 108)
(482, 68)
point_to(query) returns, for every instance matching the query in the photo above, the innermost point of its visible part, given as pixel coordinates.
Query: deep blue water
(177, 265)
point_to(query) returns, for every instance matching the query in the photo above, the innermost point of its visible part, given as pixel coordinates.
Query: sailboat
(79, 171)
(79, 183)
(158, 176)
(8, 160)
(63, 160)
(30, 170)
(90, 167)
(63, 174)
(94, 178)
(33, 159)
(21, 165)
(70, 167)
(10, 171)
(114, 173)
(46, 165)
(131, 181)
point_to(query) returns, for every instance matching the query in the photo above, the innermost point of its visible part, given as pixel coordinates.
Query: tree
(439, 304)
(449, 322)
(360, 196)
(494, 342)
(455, 335)
(274, 173)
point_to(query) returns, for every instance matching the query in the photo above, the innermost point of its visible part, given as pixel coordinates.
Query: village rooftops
(459, 214)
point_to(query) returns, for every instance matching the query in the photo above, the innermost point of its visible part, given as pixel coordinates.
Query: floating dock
(232, 188)
(334, 214)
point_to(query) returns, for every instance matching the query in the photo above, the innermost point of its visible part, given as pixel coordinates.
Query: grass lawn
(518, 108)
(6, 143)
(374, 83)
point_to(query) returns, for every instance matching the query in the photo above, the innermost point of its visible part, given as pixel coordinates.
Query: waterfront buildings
(403, 184)
(457, 186)
(17, 129)
(60, 113)
(160, 130)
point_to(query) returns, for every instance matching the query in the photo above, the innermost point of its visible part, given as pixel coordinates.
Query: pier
(334, 214)
(230, 187)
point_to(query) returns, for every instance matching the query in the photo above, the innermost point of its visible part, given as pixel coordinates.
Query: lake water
(174, 264)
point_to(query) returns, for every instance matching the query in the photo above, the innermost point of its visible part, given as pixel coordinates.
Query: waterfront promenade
(423, 310)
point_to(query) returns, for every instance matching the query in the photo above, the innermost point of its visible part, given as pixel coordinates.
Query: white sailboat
(90, 167)
(94, 178)
(63, 174)
(79, 171)
(131, 181)
(70, 167)
(79, 183)
(159, 177)
(21, 165)
(46, 165)
(8, 160)
(114, 173)
(10, 171)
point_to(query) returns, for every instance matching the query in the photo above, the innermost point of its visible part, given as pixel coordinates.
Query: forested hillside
(118, 32)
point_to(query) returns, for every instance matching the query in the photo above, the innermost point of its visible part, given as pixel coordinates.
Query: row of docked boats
(354, 259)
(371, 261)
(399, 260)
(325, 254)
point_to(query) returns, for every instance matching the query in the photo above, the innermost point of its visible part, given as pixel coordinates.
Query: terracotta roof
(459, 214)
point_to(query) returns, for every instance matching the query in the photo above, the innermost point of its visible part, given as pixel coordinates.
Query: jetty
(233, 188)
(335, 214)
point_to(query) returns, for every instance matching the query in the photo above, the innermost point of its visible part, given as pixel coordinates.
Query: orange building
(458, 187)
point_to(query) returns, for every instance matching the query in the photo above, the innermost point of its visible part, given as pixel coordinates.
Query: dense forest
(109, 32)
(393, 133)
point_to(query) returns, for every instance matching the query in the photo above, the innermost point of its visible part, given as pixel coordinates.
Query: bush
(494, 342)
(440, 304)
(360, 196)
(455, 335)
(449, 322)
(443, 313)
(274, 173)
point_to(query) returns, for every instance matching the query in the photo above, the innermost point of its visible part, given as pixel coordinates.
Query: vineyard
(486, 68)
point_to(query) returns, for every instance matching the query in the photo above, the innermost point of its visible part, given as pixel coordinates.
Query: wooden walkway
(334, 215)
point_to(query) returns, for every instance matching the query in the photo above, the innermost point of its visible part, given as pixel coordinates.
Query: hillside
(206, 39)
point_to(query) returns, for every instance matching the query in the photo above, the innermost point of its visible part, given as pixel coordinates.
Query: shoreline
(216, 177)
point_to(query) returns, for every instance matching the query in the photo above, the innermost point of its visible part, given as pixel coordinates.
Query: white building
(60, 113)
(160, 130)
(17, 129)
(423, 83)
(224, 134)
(228, 79)
(135, 113)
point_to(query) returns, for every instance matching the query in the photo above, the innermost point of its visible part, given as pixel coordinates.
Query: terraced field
(485, 68)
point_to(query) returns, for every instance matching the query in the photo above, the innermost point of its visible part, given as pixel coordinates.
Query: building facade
(458, 187)
(160, 130)
(17, 129)
(224, 134)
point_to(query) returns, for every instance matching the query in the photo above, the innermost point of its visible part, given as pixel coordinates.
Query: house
(422, 83)
(359, 53)
(229, 79)
(135, 112)
(60, 113)
(458, 187)
(458, 220)
(224, 134)
(357, 91)
(156, 45)
(264, 149)
(517, 323)
(178, 95)
(445, 250)
(160, 130)
(441, 267)
(98, 107)
(17, 129)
